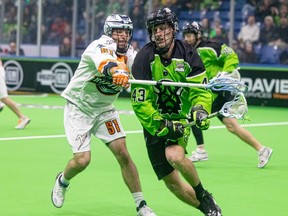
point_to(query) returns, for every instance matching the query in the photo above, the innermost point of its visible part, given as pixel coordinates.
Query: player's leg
(77, 128)
(128, 168)
(233, 127)
(181, 189)
(264, 152)
(23, 121)
(111, 132)
(166, 172)
(199, 154)
(12, 106)
(175, 155)
(130, 175)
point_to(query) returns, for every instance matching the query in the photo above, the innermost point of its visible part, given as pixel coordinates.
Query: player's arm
(108, 65)
(197, 74)
(201, 98)
(229, 58)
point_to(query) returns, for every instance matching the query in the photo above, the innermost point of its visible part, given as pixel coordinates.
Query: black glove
(172, 130)
(200, 116)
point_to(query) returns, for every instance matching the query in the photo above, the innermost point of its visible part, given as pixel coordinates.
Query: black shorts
(221, 99)
(156, 152)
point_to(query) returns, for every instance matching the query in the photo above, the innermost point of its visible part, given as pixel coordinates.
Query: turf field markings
(53, 107)
(29, 95)
(141, 131)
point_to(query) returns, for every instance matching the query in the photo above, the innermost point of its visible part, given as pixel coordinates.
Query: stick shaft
(194, 122)
(179, 84)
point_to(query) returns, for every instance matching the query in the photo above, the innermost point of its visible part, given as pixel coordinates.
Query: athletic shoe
(144, 210)
(264, 156)
(22, 123)
(58, 192)
(1, 107)
(199, 155)
(209, 205)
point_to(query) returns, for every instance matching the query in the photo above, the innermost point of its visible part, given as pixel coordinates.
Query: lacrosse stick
(237, 108)
(217, 84)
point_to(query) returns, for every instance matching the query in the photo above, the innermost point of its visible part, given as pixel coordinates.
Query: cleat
(199, 155)
(264, 156)
(209, 205)
(144, 210)
(22, 123)
(1, 107)
(58, 192)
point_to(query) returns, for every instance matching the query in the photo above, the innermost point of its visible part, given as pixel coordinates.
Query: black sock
(198, 190)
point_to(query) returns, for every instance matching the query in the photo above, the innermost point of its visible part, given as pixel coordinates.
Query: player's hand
(200, 116)
(120, 78)
(120, 75)
(234, 74)
(171, 130)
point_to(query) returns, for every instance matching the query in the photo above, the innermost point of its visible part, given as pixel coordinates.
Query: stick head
(227, 84)
(237, 108)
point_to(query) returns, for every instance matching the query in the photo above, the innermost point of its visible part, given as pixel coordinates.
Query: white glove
(234, 74)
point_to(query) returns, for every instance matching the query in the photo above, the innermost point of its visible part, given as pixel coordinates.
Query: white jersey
(91, 87)
(3, 88)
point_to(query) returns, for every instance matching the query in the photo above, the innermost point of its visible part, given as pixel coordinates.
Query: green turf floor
(31, 158)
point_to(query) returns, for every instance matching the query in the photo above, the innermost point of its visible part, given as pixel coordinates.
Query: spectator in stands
(44, 34)
(207, 5)
(13, 49)
(236, 48)
(116, 6)
(283, 13)
(135, 45)
(283, 29)
(205, 23)
(156, 5)
(189, 5)
(268, 33)
(100, 16)
(172, 4)
(219, 36)
(217, 32)
(57, 30)
(137, 13)
(248, 9)
(29, 24)
(282, 41)
(248, 56)
(265, 8)
(250, 31)
(65, 47)
(9, 26)
(59, 25)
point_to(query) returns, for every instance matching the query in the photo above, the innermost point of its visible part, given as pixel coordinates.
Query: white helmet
(117, 21)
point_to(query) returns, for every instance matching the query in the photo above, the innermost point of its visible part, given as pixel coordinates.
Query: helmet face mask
(192, 27)
(118, 21)
(192, 33)
(162, 17)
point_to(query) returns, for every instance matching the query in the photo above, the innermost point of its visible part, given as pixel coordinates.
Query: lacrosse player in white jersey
(103, 71)
(23, 120)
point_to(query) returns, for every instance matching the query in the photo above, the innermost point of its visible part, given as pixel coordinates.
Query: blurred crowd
(264, 24)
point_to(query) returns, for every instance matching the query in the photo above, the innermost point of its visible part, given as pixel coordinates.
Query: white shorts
(3, 87)
(79, 127)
